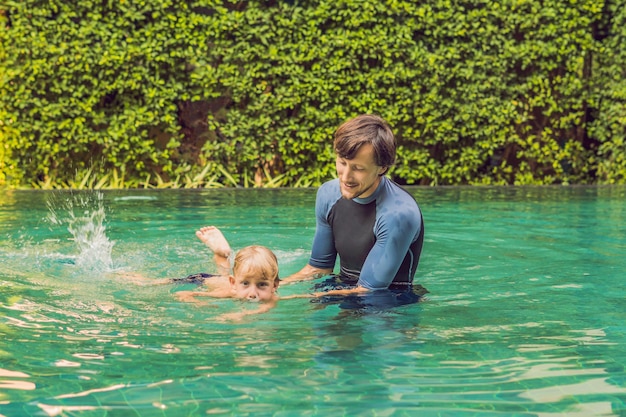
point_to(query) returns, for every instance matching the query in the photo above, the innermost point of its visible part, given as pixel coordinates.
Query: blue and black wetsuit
(378, 239)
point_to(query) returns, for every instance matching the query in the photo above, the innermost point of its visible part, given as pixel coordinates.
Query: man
(374, 226)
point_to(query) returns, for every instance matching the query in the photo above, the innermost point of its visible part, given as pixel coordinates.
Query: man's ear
(383, 171)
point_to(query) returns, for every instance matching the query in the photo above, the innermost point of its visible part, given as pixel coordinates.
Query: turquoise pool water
(525, 315)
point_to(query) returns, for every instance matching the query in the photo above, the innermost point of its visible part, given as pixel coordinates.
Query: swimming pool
(525, 314)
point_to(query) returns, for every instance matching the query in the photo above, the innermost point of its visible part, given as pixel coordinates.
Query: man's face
(360, 175)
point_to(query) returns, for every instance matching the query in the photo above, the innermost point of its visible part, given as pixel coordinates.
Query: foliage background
(167, 93)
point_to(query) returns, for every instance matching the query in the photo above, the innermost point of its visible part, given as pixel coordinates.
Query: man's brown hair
(366, 128)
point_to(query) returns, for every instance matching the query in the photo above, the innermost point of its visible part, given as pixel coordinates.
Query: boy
(254, 275)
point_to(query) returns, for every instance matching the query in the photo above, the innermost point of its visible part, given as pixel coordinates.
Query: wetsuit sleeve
(394, 235)
(323, 252)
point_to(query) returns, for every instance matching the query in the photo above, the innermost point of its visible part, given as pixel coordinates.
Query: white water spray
(85, 217)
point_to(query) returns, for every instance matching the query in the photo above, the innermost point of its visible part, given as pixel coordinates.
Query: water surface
(524, 317)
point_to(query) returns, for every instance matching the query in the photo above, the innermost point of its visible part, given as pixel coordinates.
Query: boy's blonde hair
(256, 260)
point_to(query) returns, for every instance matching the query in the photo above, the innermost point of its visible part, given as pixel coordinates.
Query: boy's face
(253, 288)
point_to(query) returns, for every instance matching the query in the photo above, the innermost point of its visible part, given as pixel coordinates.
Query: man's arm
(355, 290)
(349, 291)
(394, 236)
(305, 274)
(323, 252)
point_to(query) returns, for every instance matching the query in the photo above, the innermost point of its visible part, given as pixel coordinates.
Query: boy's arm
(139, 279)
(190, 296)
(263, 308)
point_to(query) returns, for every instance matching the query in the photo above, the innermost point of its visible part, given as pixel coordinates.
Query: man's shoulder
(398, 206)
(327, 195)
(399, 194)
(331, 183)
(330, 189)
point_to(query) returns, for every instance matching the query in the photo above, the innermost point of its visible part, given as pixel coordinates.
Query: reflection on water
(17, 381)
(524, 315)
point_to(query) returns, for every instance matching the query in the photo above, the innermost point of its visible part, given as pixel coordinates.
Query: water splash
(84, 216)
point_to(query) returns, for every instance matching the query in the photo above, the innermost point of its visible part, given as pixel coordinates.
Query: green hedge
(609, 123)
(208, 93)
